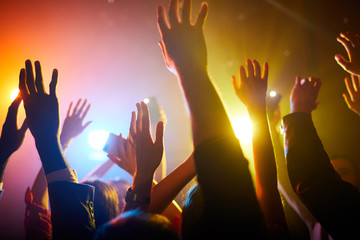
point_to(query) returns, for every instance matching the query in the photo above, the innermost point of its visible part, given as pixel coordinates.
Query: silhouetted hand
(351, 43)
(42, 109)
(182, 43)
(304, 94)
(251, 89)
(352, 97)
(11, 136)
(73, 124)
(148, 152)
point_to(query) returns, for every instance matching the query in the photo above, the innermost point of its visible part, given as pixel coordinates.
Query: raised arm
(72, 214)
(11, 136)
(351, 44)
(251, 90)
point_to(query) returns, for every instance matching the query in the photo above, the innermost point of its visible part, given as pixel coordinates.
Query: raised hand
(352, 97)
(42, 109)
(351, 43)
(251, 89)
(148, 152)
(73, 124)
(304, 94)
(182, 42)
(11, 136)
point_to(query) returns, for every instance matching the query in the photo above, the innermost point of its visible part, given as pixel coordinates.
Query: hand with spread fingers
(252, 87)
(42, 109)
(182, 42)
(303, 97)
(352, 97)
(73, 124)
(351, 43)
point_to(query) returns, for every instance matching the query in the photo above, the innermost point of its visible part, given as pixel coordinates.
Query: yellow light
(243, 129)
(272, 94)
(14, 94)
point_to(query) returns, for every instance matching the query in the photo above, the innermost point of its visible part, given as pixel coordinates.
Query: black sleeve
(230, 203)
(72, 212)
(333, 202)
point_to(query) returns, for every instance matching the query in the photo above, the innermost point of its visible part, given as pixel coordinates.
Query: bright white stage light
(243, 129)
(272, 94)
(146, 100)
(98, 138)
(14, 94)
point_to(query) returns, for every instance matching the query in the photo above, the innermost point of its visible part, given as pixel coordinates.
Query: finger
(257, 69)
(250, 68)
(355, 82)
(242, 74)
(174, 13)
(159, 140)
(236, 84)
(347, 45)
(162, 21)
(297, 80)
(53, 82)
(22, 84)
(347, 99)
(86, 125)
(351, 38)
(76, 107)
(122, 149)
(24, 127)
(69, 109)
(30, 77)
(85, 112)
(186, 12)
(349, 87)
(39, 83)
(132, 129)
(266, 72)
(138, 119)
(317, 85)
(201, 17)
(345, 64)
(82, 107)
(145, 118)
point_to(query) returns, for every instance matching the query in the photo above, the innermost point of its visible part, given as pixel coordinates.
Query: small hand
(148, 153)
(42, 109)
(11, 136)
(352, 97)
(182, 43)
(73, 123)
(251, 89)
(304, 94)
(351, 43)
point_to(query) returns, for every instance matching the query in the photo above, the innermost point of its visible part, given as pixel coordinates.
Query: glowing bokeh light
(272, 93)
(14, 94)
(243, 129)
(146, 100)
(98, 138)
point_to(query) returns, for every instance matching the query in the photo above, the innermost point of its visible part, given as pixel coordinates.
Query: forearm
(51, 155)
(100, 170)
(166, 190)
(3, 162)
(206, 108)
(39, 189)
(141, 187)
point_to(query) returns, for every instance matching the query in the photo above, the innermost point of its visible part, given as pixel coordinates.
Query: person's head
(345, 167)
(106, 202)
(121, 186)
(192, 211)
(136, 224)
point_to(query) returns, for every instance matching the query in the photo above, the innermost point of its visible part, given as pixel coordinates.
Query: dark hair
(136, 224)
(106, 202)
(192, 211)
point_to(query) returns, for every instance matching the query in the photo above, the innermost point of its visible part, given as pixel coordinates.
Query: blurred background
(106, 51)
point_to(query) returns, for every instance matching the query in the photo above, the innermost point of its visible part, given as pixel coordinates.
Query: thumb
(342, 62)
(347, 100)
(24, 127)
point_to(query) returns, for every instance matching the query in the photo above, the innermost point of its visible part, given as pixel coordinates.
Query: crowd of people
(225, 203)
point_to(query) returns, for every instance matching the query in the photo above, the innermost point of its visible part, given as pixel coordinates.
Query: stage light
(146, 100)
(14, 94)
(97, 139)
(272, 94)
(243, 129)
